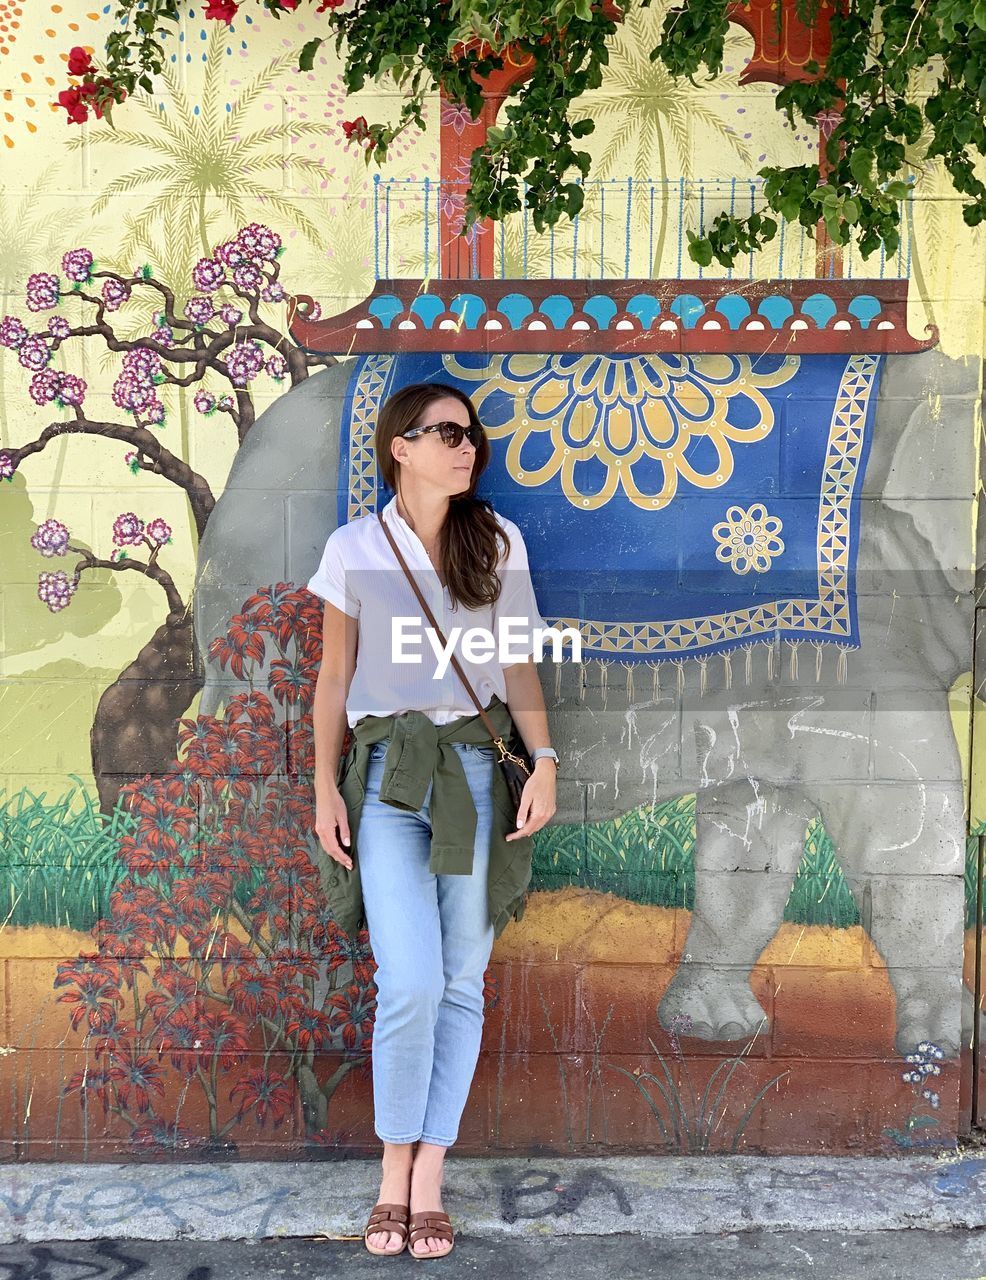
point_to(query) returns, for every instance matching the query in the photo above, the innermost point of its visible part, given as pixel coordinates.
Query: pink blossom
(199, 310)
(42, 291)
(59, 327)
(207, 275)
(128, 529)
(51, 538)
(43, 387)
(56, 589)
(7, 466)
(259, 243)
(247, 276)
(229, 314)
(12, 332)
(34, 352)
(244, 362)
(71, 391)
(276, 365)
(115, 294)
(159, 531)
(77, 265)
(204, 401)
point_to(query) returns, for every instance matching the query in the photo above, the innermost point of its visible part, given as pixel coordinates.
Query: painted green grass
(972, 871)
(59, 860)
(57, 857)
(647, 855)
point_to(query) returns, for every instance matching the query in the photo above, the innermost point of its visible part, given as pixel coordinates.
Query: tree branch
(176, 606)
(164, 462)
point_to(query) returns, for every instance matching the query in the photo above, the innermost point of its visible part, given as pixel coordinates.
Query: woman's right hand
(332, 827)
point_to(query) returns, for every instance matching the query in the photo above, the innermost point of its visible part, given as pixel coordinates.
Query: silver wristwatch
(538, 752)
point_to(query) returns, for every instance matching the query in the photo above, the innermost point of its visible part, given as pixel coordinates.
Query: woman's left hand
(537, 800)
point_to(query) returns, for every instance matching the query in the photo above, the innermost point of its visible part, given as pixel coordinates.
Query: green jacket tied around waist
(419, 753)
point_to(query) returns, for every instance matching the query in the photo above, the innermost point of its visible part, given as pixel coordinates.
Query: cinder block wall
(751, 924)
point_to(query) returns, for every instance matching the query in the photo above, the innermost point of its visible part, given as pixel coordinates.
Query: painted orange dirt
(578, 983)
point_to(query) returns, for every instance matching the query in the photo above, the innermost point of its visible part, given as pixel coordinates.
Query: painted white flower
(748, 539)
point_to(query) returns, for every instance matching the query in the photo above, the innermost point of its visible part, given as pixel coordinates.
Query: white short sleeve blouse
(360, 575)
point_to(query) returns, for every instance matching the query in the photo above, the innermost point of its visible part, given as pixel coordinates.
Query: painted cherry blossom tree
(220, 331)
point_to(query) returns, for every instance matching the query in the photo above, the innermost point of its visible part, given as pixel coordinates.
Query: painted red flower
(351, 1012)
(139, 1078)
(243, 641)
(312, 1027)
(265, 1093)
(94, 1083)
(95, 998)
(175, 997)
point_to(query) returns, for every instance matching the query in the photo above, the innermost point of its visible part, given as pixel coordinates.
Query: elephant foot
(712, 1005)
(927, 1012)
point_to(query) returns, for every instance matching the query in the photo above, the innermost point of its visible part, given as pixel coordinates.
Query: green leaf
(306, 59)
(861, 165)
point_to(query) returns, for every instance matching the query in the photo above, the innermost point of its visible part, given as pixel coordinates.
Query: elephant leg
(749, 842)
(902, 849)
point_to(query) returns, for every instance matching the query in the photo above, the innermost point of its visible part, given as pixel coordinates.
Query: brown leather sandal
(387, 1217)
(434, 1223)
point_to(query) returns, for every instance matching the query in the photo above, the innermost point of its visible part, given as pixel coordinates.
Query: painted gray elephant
(864, 738)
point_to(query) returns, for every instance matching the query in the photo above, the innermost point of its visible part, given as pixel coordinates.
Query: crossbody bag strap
(431, 618)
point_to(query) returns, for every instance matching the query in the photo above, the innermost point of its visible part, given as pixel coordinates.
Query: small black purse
(514, 761)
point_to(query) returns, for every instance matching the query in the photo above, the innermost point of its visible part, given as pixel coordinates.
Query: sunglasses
(452, 433)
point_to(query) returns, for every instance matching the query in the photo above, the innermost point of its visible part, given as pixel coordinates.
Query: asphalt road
(765, 1255)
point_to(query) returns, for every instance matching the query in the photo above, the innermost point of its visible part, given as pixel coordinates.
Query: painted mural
(752, 924)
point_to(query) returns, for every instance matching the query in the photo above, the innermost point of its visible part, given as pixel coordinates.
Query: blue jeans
(431, 938)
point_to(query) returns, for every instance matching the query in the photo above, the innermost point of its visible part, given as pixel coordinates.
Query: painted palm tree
(651, 119)
(204, 154)
(28, 233)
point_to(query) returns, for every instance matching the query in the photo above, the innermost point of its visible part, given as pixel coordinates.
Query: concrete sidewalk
(526, 1197)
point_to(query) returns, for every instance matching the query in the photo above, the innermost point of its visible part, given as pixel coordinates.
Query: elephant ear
(931, 476)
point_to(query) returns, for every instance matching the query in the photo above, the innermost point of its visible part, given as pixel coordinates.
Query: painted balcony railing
(628, 228)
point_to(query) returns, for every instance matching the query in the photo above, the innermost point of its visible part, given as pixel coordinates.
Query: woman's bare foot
(426, 1193)
(395, 1188)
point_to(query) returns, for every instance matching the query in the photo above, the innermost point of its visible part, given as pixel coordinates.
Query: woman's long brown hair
(467, 539)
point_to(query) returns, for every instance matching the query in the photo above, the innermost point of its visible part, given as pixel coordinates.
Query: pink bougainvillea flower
(222, 10)
(79, 61)
(357, 129)
(71, 100)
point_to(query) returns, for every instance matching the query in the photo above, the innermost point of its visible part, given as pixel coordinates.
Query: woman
(428, 886)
